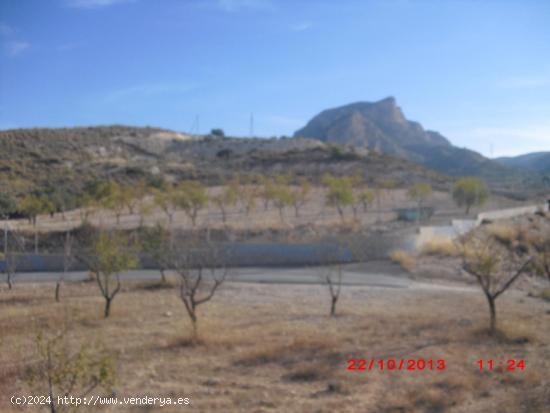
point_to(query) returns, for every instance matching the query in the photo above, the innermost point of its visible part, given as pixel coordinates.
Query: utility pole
(195, 127)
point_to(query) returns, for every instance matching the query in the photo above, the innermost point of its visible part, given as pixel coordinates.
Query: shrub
(441, 247)
(217, 132)
(404, 259)
(61, 368)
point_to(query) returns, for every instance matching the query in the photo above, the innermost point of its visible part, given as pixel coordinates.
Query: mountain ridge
(533, 161)
(382, 126)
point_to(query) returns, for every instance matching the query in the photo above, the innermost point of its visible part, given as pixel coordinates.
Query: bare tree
(202, 269)
(333, 279)
(495, 267)
(330, 272)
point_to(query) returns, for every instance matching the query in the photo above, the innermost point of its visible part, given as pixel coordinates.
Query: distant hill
(535, 162)
(67, 159)
(382, 127)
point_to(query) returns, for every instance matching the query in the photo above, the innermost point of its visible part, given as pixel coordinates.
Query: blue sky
(477, 72)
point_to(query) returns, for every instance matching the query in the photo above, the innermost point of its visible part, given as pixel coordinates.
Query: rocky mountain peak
(381, 126)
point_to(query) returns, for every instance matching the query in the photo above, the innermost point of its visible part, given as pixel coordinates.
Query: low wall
(462, 226)
(374, 247)
(510, 213)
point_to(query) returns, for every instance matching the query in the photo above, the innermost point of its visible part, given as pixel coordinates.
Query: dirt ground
(273, 348)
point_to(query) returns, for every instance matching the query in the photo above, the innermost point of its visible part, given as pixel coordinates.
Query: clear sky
(476, 71)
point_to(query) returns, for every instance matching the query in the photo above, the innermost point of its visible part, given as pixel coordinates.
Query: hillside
(535, 162)
(66, 159)
(381, 126)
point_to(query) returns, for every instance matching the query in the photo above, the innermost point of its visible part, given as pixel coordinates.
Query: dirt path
(377, 274)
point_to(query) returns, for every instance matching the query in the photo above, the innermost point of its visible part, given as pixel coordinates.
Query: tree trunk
(8, 279)
(57, 288)
(468, 209)
(333, 306)
(195, 327)
(162, 276)
(107, 307)
(35, 241)
(493, 312)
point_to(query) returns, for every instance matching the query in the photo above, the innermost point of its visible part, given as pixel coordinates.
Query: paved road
(375, 274)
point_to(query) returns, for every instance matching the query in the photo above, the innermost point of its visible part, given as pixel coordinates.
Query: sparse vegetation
(61, 370)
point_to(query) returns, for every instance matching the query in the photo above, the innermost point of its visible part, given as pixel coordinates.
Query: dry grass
(440, 247)
(272, 347)
(505, 233)
(405, 259)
